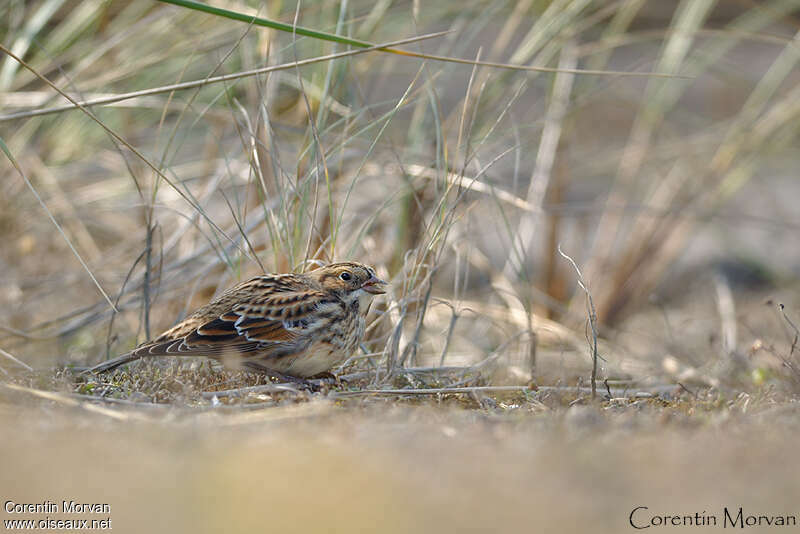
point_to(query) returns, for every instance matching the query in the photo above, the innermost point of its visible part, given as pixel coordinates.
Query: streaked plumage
(299, 325)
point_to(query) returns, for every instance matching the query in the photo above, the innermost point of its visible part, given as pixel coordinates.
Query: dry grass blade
(208, 80)
(69, 401)
(592, 319)
(22, 44)
(55, 223)
(130, 147)
(15, 360)
(294, 29)
(688, 17)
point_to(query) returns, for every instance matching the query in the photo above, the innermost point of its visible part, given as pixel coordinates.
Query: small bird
(288, 326)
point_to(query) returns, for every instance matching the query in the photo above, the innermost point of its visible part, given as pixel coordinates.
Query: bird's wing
(271, 323)
(270, 315)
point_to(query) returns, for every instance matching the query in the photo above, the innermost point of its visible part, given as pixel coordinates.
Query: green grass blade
(307, 32)
(258, 21)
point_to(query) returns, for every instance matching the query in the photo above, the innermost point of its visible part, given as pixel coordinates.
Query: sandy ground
(387, 467)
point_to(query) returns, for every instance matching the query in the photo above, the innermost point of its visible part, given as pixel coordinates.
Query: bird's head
(350, 280)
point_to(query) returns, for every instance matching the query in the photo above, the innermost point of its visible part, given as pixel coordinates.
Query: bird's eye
(345, 276)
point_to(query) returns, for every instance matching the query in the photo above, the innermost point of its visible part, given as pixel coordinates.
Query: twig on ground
(644, 392)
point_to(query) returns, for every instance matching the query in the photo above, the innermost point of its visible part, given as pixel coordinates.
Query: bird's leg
(327, 375)
(279, 376)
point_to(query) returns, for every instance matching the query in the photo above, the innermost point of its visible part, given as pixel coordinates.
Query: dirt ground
(394, 467)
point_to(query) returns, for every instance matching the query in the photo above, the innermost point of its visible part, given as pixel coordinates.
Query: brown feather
(301, 324)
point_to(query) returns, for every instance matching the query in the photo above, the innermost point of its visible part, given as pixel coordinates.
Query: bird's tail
(114, 363)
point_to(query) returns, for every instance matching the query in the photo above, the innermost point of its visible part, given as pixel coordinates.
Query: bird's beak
(374, 285)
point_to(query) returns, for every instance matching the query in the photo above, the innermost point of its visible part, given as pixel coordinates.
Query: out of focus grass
(458, 182)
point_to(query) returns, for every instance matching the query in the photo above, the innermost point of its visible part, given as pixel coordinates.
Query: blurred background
(673, 192)
(655, 143)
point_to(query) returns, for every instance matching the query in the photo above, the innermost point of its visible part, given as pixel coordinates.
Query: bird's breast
(327, 347)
